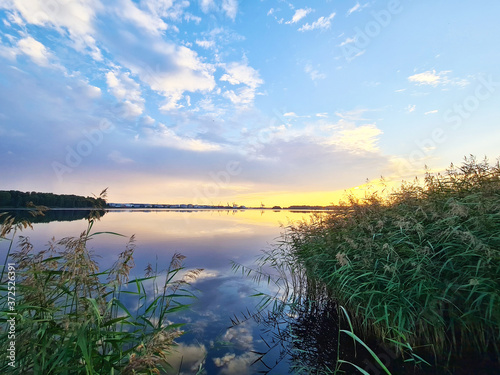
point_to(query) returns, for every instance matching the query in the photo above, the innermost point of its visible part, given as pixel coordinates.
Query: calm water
(211, 240)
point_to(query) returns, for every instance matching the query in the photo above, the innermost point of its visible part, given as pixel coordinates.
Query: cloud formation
(321, 23)
(430, 77)
(299, 14)
(189, 86)
(240, 74)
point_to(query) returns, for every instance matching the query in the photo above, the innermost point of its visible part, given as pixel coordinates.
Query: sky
(258, 101)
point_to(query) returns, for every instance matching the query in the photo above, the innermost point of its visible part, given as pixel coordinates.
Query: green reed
(420, 267)
(73, 318)
(302, 320)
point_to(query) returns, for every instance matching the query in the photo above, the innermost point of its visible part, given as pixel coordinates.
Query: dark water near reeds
(214, 240)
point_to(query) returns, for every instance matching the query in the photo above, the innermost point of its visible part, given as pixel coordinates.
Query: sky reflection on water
(211, 240)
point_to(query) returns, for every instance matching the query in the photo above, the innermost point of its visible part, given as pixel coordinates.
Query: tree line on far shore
(19, 199)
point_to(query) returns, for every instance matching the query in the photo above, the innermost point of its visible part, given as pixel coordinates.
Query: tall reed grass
(419, 267)
(302, 323)
(73, 318)
(415, 273)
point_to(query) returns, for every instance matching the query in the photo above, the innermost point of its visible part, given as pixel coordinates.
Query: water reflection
(296, 336)
(210, 240)
(304, 331)
(52, 215)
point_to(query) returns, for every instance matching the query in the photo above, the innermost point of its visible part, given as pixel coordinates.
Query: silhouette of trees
(17, 199)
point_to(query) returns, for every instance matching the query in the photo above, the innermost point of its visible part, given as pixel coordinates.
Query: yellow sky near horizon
(255, 199)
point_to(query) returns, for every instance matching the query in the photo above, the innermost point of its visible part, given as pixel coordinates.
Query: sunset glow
(257, 102)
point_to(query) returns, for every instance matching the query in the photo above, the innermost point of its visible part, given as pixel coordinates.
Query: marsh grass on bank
(420, 267)
(302, 323)
(73, 318)
(408, 281)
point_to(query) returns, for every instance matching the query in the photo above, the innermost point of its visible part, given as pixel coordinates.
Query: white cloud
(81, 88)
(353, 115)
(74, 17)
(411, 108)
(290, 114)
(87, 44)
(356, 8)
(242, 97)
(123, 87)
(158, 6)
(168, 9)
(207, 5)
(228, 357)
(182, 71)
(204, 275)
(188, 357)
(152, 24)
(172, 102)
(232, 364)
(356, 139)
(346, 135)
(241, 336)
(191, 17)
(299, 14)
(131, 110)
(165, 137)
(14, 17)
(205, 43)
(320, 23)
(32, 48)
(127, 90)
(35, 50)
(230, 7)
(429, 77)
(8, 52)
(431, 112)
(313, 73)
(147, 120)
(237, 365)
(347, 41)
(239, 73)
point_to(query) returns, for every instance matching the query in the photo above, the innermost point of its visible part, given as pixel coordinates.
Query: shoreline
(4, 209)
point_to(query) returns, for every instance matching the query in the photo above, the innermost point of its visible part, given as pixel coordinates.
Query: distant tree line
(18, 199)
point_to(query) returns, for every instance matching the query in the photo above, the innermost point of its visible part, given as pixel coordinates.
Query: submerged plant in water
(72, 317)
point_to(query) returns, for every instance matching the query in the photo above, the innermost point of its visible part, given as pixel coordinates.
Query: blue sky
(242, 101)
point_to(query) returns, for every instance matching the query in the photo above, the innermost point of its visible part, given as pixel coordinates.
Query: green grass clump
(72, 318)
(419, 267)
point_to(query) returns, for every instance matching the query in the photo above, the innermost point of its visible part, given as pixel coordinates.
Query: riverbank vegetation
(19, 199)
(417, 268)
(61, 314)
(400, 283)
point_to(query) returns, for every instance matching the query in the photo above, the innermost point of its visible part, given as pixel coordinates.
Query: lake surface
(211, 240)
(214, 241)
